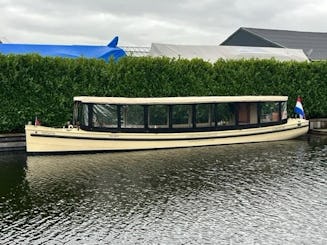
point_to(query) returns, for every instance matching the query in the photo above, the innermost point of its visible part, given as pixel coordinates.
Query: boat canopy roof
(177, 100)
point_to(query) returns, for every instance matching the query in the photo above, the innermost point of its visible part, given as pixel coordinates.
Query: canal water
(264, 193)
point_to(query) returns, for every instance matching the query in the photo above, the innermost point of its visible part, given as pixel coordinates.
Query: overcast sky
(142, 22)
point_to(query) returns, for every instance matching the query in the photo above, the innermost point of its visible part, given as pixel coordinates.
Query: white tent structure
(213, 53)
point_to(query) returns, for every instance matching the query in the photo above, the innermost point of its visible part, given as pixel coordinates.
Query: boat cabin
(178, 114)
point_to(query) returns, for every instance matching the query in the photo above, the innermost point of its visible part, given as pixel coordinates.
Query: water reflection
(314, 139)
(270, 192)
(13, 184)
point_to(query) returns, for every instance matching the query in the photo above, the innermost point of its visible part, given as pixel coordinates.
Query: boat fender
(70, 127)
(299, 123)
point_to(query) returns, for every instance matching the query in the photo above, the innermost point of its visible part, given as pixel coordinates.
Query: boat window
(247, 113)
(132, 116)
(83, 115)
(284, 110)
(158, 116)
(204, 115)
(182, 116)
(105, 116)
(269, 112)
(225, 114)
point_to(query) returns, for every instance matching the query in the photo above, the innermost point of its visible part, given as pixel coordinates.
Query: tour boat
(123, 124)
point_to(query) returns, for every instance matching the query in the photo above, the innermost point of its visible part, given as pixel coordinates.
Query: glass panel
(204, 115)
(225, 114)
(75, 113)
(83, 115)
(284, 109)
(132, 116)
(254, 113)
(158, 116)
(269, 112)
(105, 116)
(182, 116)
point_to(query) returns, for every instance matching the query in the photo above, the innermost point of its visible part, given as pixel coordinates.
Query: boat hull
(47, 140)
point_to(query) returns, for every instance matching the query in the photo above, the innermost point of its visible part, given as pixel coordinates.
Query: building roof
(213, 53)
(136, 51)
(314, 44)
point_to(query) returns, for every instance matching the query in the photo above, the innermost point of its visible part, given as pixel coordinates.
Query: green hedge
(31, 85)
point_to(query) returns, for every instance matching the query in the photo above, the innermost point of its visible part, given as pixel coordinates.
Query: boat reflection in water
(127, 174)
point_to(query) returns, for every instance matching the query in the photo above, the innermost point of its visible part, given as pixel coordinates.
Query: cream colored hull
(41, 139)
